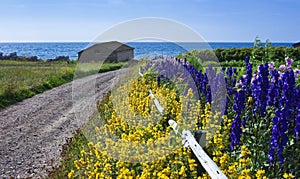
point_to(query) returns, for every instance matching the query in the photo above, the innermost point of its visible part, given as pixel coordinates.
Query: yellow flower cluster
(136, 141)
(288, 175)
(260, 174)
(94, 164)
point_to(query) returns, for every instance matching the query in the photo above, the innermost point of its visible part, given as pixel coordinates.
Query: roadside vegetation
(23, 79)
(244, 146)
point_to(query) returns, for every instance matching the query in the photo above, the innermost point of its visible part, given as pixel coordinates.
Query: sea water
(50, 50)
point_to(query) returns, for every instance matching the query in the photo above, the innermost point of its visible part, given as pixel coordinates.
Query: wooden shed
(109, 52)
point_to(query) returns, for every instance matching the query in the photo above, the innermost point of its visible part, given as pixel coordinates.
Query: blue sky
(84, 20)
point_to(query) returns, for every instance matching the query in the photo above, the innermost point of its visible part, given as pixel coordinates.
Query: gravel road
(32, 132)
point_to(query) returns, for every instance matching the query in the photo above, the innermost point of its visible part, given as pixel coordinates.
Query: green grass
(85, 69)
(22, 79)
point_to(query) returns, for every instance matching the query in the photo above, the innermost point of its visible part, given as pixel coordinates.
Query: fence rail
(189, 140)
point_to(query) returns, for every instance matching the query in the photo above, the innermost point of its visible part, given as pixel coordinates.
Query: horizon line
(146, 42)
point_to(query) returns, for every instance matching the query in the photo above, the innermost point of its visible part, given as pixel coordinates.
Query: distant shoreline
(50, 50)
(150, 42)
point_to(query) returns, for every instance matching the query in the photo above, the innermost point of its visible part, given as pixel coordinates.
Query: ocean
(50, 50)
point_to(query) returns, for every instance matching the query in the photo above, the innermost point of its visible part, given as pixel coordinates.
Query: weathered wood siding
(108, 52)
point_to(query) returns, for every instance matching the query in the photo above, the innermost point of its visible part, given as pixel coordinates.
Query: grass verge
(70, 152)
(20, 80)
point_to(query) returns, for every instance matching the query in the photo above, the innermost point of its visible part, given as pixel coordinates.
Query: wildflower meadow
(251, 115)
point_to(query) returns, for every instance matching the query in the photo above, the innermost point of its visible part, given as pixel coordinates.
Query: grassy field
(20, 80)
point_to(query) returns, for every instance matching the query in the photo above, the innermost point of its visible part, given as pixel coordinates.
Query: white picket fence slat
(189, 140)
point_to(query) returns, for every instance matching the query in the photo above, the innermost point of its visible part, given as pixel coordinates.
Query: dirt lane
(32, 132)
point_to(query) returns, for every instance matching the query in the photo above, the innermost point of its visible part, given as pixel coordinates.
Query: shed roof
(112, 46)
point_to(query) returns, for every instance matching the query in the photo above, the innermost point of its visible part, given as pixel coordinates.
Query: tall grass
(22, 79)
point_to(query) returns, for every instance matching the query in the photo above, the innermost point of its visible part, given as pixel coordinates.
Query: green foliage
(236, 54)
(111, 66)
(258, 53)
(235, 57)
(192, 58)
(105, 107)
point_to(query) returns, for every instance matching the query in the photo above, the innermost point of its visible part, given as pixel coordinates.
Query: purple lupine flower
(223, 69)
(282, 68)
(199, 79)
(274, 137)
(208, 96)
(283, 118)
(288, 100)
(254, 77)
(229, 72)
(271, 65)
(260, 89)
(289, 62)
(239, 84)
(207, 85)
(219, 94)
(280, 74)
(247, 60)
(258, 69)
(238, 107)
(211, 74)
(290, 93)
(279, 137)
(204, 84)
(236, 132)
(296, 73)
(265, 86)
(230, 80)
(217, 87)
(297, 127)
(274, 90)
(158, 79)
(235, 71)
(248, 78)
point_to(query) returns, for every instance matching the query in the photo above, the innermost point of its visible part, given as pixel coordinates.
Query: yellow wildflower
(71, 174)
(260, 174)
(288, 175)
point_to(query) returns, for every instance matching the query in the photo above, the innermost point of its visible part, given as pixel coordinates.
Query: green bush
(257, 53)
